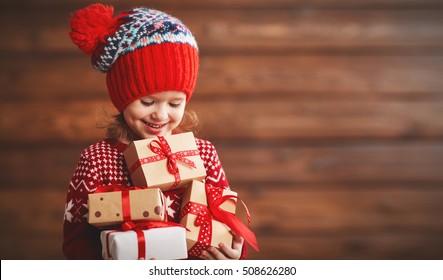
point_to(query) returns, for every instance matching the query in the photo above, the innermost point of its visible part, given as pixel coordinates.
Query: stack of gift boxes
(134, 219)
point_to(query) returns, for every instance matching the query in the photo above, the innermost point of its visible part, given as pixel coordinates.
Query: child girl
(151, 64)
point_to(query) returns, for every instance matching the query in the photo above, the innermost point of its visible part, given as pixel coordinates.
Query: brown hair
(117, 128)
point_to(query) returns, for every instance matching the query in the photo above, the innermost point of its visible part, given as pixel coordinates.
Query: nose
(160, 112)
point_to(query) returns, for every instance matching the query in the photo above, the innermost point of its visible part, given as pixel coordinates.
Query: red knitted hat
(142, 51)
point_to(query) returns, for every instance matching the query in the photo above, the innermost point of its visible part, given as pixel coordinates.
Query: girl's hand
(225, 252)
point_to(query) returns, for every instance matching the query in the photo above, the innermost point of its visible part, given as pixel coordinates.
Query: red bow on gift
(212, 211)
(162, 150)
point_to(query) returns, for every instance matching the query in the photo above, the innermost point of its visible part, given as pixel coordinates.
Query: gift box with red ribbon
(208, 212)
(152, 240)
(115, 204)
(165, 162)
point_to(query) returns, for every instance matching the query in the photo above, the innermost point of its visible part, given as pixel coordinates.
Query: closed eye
(175, 105)
(146, 103)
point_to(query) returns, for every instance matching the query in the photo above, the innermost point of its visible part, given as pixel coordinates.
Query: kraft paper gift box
(151, 162)
(115, 207)
(166, 243)
(196, 194)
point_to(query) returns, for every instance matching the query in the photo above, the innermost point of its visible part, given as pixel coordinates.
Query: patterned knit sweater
(103, 164)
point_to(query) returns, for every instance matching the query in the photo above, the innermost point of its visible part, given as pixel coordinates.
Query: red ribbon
(212, 211)
(163, 151)
(138, 229)
(126, 206)
(108, 251)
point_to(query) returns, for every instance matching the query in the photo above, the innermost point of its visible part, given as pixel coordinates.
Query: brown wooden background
(327, 115)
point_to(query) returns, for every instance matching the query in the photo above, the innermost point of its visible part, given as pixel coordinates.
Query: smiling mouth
(156, 126)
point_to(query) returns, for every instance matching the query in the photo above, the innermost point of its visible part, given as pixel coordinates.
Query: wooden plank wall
(327, 116)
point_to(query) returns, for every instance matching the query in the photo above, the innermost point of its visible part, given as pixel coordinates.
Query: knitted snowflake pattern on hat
(145, 27)
(139, 27)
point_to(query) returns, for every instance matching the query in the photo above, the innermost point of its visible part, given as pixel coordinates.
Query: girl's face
(155, 114)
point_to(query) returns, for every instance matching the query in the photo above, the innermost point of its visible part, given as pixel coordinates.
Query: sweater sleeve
(215, 174)
(80, 239)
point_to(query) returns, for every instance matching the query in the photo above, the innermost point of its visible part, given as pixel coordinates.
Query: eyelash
(173, 105)
(147, 103)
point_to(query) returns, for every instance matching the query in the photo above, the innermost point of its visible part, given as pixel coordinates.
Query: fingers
(231, 253)
(237, 242)
(224, 252)
(213, 253)
(208, 255)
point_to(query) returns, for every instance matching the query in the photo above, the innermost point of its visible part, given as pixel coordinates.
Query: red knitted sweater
(103, 164)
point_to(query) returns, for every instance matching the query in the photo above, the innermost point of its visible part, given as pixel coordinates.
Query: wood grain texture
(257, 31)
(242, 77)
(30, 167)
(365, 246)
(235, 4)
(305, 212)
(260, 120)
(385, 246)
(327, 224)
(327, 117)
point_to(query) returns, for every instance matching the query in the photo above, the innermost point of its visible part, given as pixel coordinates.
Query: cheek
(133, 113)
(178, 115)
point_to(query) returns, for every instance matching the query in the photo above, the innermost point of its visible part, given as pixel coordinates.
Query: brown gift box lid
(155, 174)
(106, 208)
